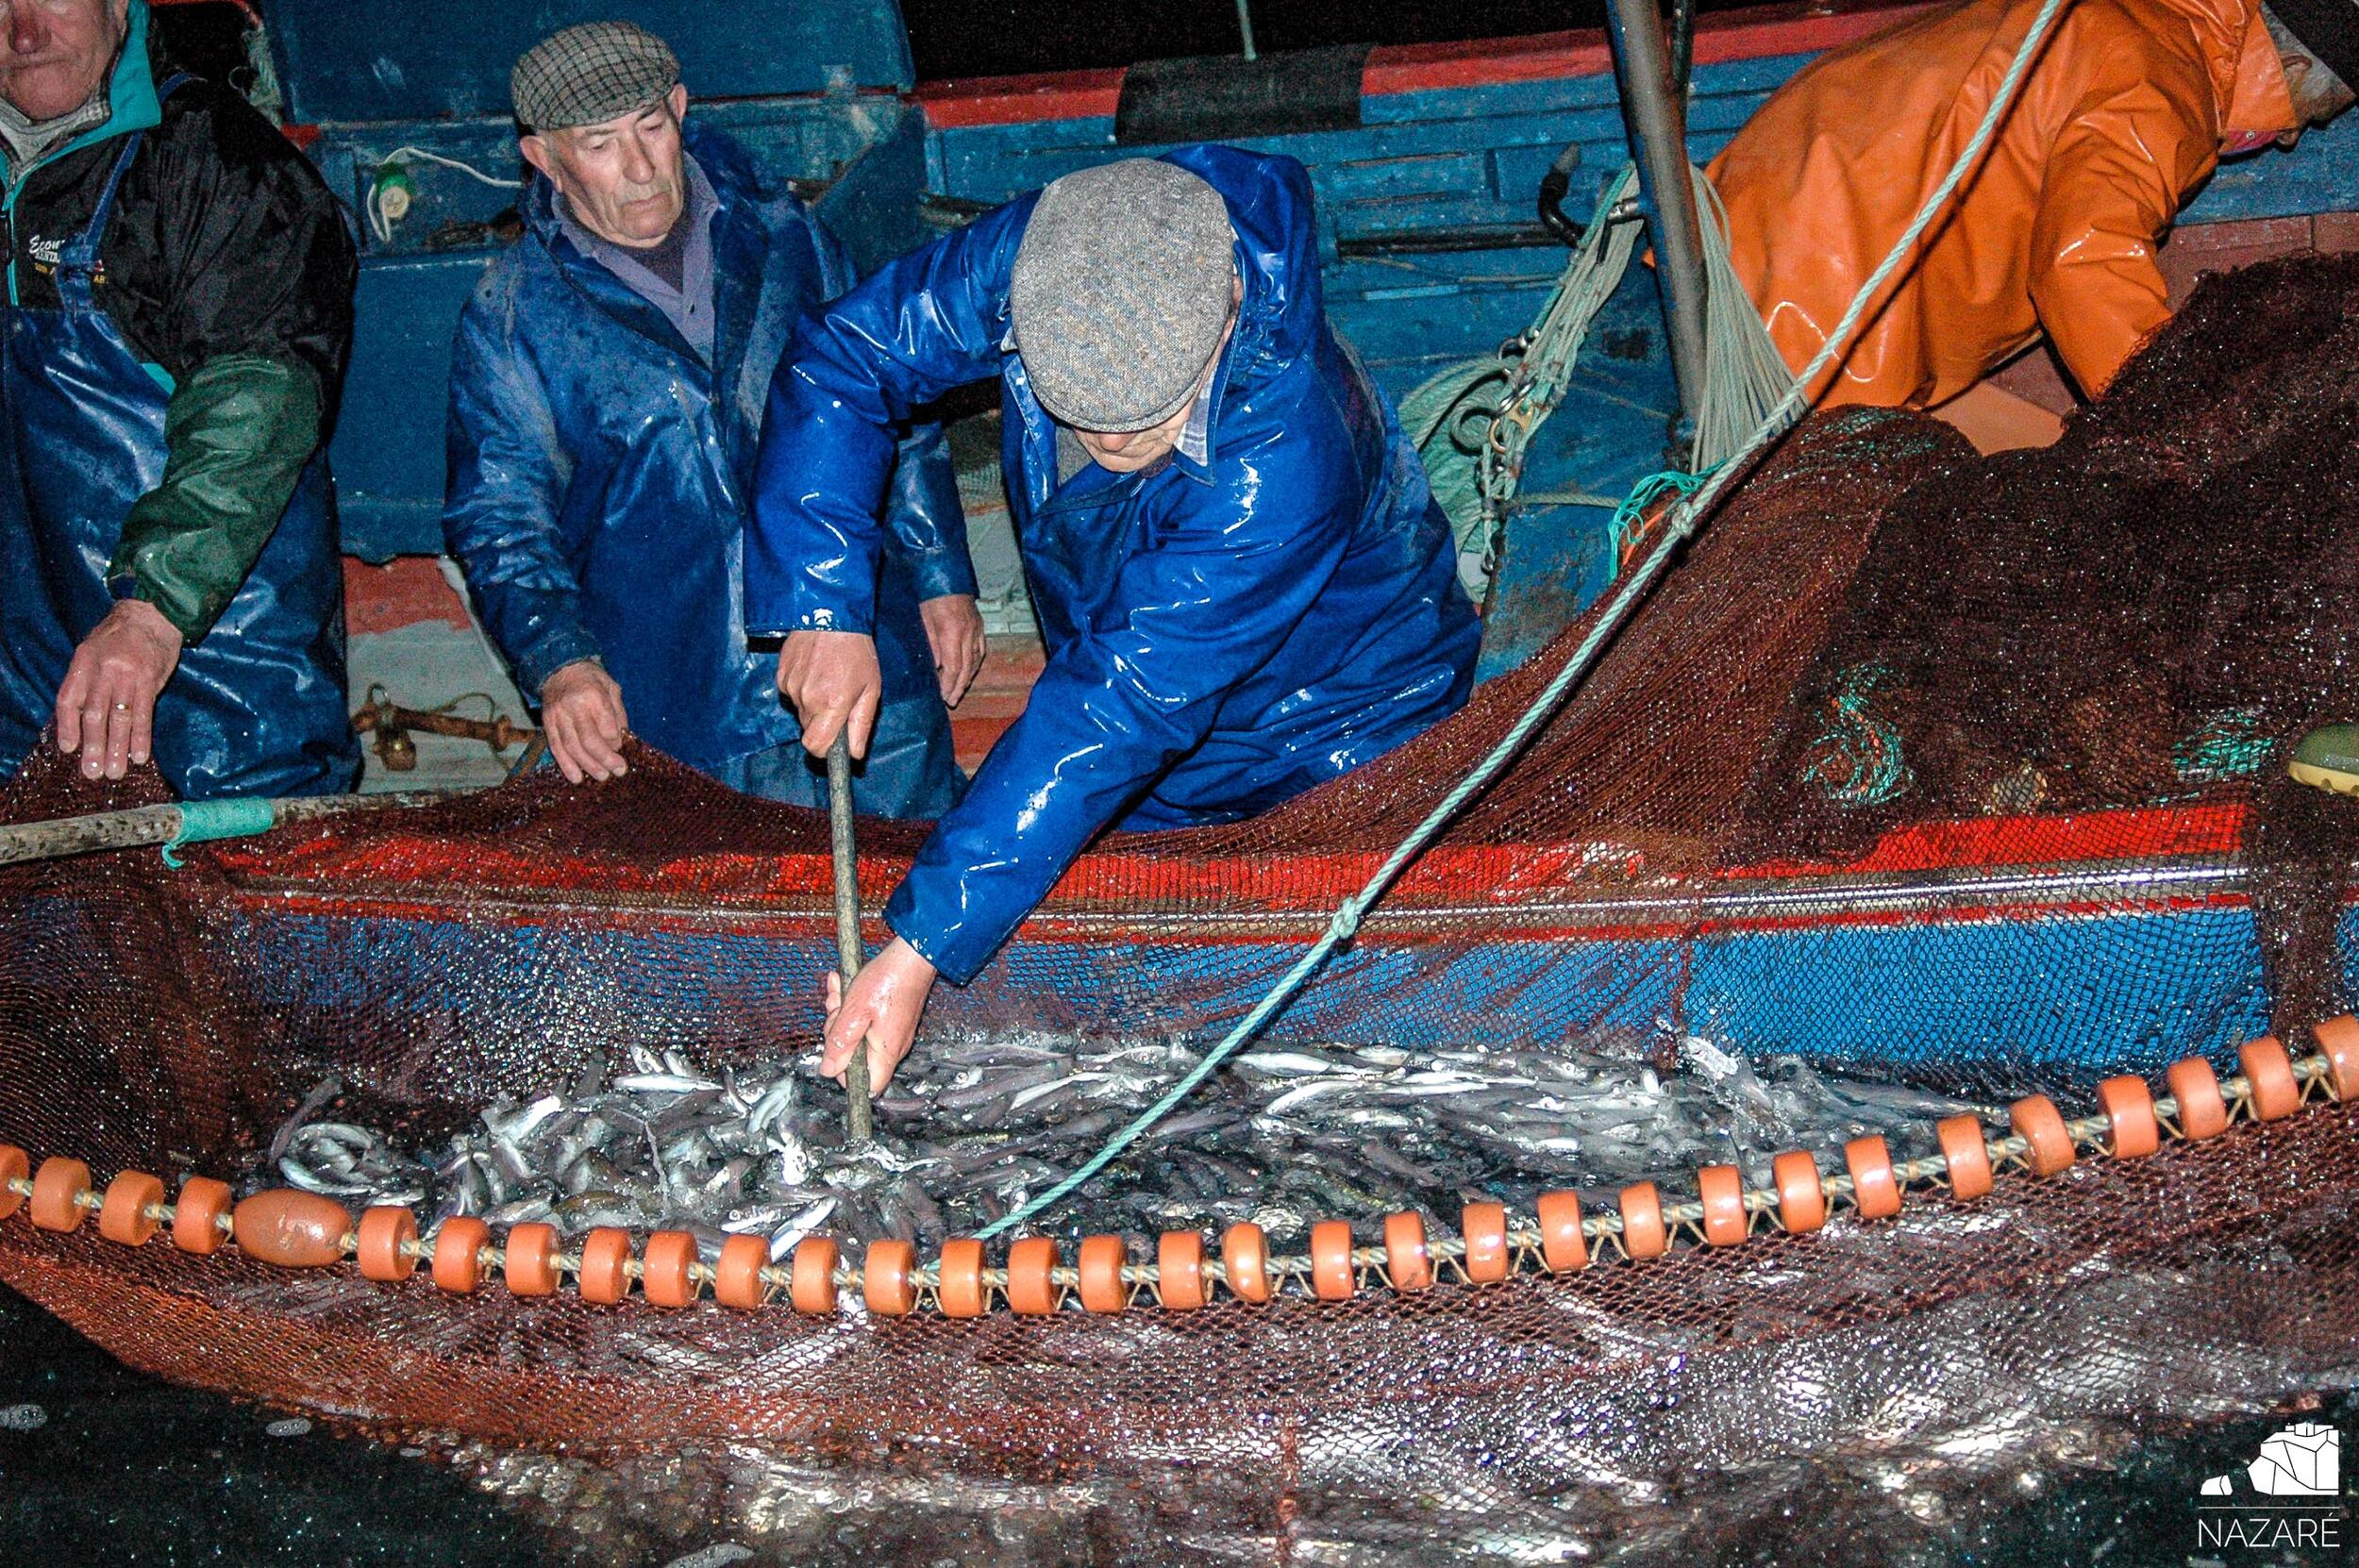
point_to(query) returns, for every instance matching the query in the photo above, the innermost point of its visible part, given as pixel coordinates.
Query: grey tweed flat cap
(590, 73)
(1120, 293)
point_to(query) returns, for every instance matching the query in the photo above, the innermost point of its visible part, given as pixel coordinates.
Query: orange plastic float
(1100, 1265)
(1332, 1278)
(15, 1166)
(811, 1285)
(528, 1261)
(58, 1188)
(1030, 1289)
(198, 1216)
(2337, 1039)
(1244, 1262)
(2041, 1126)
(1801, 1197)
(1485, 1228)
(1968, 1151)
(2269, 1074)
(292, 1229)
(1644, 1234)
(737, 1280)
(1563, 1246)
(1180, 1270)
(124, 1217)
(1407, 1262)
(604, 1276)
(1722, 1190)
(2129, 1105)
(1875, 1191)
(664, 1262)
(2202, 1114)
(385, 1233)
(888, 1278)
(958, 1278)
(458, 1254)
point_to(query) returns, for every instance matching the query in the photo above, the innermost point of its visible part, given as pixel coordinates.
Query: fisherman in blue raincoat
(1244, 582)
(607, 392)
(178, 314)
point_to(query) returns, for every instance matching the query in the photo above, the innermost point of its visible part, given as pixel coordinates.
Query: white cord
(382, 226)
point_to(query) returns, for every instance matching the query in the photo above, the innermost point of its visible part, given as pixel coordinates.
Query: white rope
(380, 226)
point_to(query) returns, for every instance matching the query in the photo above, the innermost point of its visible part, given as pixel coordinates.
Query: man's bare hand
(581, 713)
(107, 703)
(954, 629)
(832, 680)
(888, 998)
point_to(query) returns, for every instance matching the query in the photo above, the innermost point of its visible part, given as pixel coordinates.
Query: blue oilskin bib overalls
(255, 709)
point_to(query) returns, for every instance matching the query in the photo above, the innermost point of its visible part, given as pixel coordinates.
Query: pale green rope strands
(1474, 423)
(1471, 422)
(1685, 518)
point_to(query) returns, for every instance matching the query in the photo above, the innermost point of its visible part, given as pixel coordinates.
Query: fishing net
(1950, 772)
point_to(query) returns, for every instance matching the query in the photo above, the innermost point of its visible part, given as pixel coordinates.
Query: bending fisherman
(179, 308)
(1244, 583)
(607, 395)
(2130, 106)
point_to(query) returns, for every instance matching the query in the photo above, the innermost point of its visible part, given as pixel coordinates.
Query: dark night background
(996, 38)
(990, 38)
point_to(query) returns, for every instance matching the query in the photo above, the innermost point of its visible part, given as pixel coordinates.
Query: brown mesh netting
(2025, 849)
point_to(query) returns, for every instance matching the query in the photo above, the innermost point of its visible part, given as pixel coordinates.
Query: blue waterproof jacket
(600, 472)
(1221, 635)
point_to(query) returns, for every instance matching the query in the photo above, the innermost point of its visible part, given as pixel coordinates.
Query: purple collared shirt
(688, 308)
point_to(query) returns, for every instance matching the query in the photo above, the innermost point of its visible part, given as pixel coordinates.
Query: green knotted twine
(202, 820)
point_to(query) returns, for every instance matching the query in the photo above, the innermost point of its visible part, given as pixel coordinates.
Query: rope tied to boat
(1474, 423)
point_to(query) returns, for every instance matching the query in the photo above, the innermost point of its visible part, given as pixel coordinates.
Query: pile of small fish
(972, 1127)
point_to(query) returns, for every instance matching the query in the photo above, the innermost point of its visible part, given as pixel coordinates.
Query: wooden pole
(137, 826)
(847, 944)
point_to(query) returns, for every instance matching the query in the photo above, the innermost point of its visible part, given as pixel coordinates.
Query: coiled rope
(1474, 423)
(1685, 518)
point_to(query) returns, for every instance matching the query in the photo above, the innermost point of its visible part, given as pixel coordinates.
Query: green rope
(1685, 519)
(204, 820)
(2232, 744)
(1623, 528)
(1856, 758)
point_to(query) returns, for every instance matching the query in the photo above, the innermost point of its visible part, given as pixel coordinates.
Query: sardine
(310, 1106)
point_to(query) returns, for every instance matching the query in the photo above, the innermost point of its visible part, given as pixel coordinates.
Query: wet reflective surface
(100, 1465)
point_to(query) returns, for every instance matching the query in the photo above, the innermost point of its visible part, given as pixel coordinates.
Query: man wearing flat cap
(1245, 585)
(607, 396)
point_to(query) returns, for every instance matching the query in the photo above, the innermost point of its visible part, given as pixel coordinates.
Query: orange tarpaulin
(2122, 116)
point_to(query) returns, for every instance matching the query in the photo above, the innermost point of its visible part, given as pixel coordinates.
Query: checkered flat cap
(1121, 291)
(595, 72)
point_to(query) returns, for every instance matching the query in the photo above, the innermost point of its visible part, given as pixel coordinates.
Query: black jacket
(229, 264)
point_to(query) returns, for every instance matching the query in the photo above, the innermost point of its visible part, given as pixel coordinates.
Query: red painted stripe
(817, 922)
(1020, 100)
(1758, 33)
(1497, 878)
(2089, 836)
